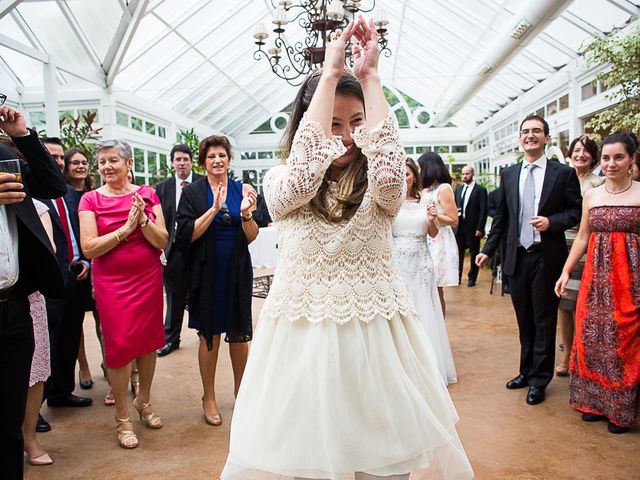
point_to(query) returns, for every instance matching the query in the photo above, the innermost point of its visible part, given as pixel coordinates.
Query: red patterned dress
(605, 360)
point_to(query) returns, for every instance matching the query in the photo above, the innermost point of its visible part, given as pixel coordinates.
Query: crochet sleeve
(386, 159)
(291, 186)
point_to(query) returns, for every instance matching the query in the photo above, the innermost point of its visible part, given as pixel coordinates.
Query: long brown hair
(352, 183)
(88, 183)
(416, 186)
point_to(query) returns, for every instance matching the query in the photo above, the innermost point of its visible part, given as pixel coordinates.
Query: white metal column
(51, 98)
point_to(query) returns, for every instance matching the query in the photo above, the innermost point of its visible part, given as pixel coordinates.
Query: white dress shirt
(469, 187)
(538, 178)
(9, 268)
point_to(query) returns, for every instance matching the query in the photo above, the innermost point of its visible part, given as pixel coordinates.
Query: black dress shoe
(42, 425)
(69, 401)
(518, 382)
(613, 428)
(167, 349)
(535, 395)
(471, 283)
(592, 417)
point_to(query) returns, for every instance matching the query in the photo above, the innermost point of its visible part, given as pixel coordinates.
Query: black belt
(536, 247)
(7, 294)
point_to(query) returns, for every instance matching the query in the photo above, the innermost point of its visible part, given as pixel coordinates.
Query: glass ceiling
(196, 56)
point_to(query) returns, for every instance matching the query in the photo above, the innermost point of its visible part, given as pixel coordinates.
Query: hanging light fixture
(319, 18)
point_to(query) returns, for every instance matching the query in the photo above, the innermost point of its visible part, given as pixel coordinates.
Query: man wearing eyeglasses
(27, 264)
(538, 201)
(174, 272)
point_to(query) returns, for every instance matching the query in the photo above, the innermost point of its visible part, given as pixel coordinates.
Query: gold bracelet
(144, 223)
(117, 235)
(247, 218)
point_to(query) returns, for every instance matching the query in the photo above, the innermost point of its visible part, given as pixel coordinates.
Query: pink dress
(127, 281)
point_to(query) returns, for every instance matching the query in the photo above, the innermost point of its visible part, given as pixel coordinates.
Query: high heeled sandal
(43, 459)
(214, 420)
(126, 438)
(109, 399)
(151, 420)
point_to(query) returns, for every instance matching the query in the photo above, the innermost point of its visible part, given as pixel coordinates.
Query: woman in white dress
(417, 219)
(436, 181)
(341, 377)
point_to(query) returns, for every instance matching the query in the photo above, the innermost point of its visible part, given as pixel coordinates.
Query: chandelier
(319, 18)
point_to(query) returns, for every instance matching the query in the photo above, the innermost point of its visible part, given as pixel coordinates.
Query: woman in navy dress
(215, 226)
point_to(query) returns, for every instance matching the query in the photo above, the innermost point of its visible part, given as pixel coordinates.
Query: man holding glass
(27, 264)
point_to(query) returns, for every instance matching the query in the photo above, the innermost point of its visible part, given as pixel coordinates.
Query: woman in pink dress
(123, 231)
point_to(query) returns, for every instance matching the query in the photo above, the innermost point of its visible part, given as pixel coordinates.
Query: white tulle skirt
(325, 400)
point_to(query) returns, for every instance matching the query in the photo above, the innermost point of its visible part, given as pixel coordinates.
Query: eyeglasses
(3, 98)
(76, 163)
(535, 131)
(226, 216)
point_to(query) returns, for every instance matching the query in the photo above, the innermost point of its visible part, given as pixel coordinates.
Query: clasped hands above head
(365, 51)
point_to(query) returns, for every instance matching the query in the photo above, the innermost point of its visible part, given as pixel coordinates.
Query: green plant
(622, 54)
(191, 139)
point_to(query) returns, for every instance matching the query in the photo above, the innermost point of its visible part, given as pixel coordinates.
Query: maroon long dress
(127, 281)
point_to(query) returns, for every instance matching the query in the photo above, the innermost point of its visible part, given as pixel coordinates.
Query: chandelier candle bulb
(335, 10)
(380, 19)
(285, 3)
(274, 49)
(280, 17)
(260, 32)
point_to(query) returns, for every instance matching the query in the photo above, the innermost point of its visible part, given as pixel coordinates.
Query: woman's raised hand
(218, 195)
(366, 52)
(335, 51)
(134, 217)
(248, 202)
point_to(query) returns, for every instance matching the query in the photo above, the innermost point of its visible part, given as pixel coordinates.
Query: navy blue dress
(223, 237)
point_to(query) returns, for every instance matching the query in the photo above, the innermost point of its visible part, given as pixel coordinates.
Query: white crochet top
(337, 271)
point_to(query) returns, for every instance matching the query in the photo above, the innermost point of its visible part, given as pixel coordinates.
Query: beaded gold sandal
(126, 438)
(151, 420)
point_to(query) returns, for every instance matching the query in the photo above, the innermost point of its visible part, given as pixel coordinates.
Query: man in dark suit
(174, 272)
(471, 200)
(538, 201)
(27, 265)
(65, 317)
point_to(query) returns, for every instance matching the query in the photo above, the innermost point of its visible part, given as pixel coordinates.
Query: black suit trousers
(175, 286)
(468, 240)
(16, 352)
(536, 307)
(65, 330)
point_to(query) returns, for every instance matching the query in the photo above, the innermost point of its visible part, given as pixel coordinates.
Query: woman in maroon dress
(604, 368)
(123, 231)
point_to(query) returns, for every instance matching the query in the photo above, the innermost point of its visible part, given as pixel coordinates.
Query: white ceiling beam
(504, 49)
(556, 43)
(626, 6)
(122, 40)
(78, 32)
(92, 77)
(168, 61)
(399, 42)
(581, 23)
(14, 77)
(7, 6)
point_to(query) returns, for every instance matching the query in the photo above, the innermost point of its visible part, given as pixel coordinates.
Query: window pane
(552, 108)
(162, 132)
(248, 156)
(459, 149)
(164, 169)
(564, 141)
(37, 118)
(408, 149)
(423, 149)
(138, 159)
(152, 162)
(564, 102)
(122, 119)
(540, 112)
(150, 128)
(268, 155)
(589, 90)
(442, 149)
(136, 123)
(403, 120)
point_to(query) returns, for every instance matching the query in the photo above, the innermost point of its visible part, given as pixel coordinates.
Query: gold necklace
(613, 194)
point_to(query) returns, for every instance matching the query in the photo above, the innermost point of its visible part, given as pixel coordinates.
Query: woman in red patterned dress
(605, 360)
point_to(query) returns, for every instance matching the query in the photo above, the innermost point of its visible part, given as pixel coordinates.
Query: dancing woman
(341, 378)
